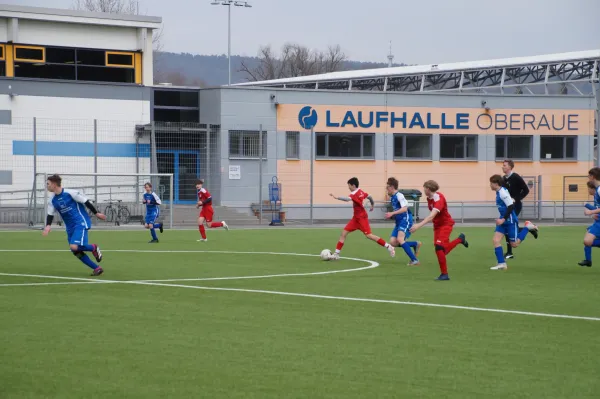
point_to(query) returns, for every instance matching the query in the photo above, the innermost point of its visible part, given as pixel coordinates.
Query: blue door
(185, 167)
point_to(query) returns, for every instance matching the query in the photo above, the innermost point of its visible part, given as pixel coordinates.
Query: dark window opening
(91, 57)
(34, 54)
(44, 71)
(119, 59)
(172, 98)
(176, 115)
(106, 74)
(60, 55)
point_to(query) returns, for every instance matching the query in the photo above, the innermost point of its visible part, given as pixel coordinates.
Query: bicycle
(117, 214)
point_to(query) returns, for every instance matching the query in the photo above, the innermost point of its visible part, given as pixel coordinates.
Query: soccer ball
(325, 254)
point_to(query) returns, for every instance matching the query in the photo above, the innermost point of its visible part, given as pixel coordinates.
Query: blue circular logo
(307, 117)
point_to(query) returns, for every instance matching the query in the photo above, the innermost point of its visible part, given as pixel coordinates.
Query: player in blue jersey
(592, 235)
(152, 203)
(71, 205)
(404, 221)
(507, 224)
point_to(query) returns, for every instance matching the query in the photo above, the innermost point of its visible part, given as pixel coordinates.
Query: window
(558, 147)
(458, 147)
(340, 145)
(412, 146)
(514, 147)
(292, 145)
(176, 115)
(246, 144)
(73, 64)
(30, 54)
(2, 61)
(115, 59)
(174, 98)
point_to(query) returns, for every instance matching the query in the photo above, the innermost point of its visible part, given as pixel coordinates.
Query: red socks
(339, 246)
(202, 232)
(451, 245)
(215, 225)
(381, 242)
(442, 261)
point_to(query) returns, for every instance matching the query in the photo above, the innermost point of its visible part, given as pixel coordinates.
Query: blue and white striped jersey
(70, 205)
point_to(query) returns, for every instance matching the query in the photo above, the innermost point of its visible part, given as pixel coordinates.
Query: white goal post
(118, 195)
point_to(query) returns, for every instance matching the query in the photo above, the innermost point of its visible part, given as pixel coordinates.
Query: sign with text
(235, 172)
(359, 119)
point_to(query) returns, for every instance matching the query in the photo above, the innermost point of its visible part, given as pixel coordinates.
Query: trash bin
(415, 196)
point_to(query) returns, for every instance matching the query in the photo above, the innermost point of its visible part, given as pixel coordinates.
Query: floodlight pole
(229, 3)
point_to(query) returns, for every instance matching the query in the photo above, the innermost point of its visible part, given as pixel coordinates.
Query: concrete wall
(65, 114)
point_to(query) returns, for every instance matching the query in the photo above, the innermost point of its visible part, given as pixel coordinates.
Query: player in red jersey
(442, 226)
(207, 212)
(360, 220)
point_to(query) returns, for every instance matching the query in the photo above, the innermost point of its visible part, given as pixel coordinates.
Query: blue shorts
(509, 229)
(152, 217)
(402, 226)
(78, 236)
(594, 229)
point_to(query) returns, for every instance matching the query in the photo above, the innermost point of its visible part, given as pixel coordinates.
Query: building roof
(77, 16)
(433, 69)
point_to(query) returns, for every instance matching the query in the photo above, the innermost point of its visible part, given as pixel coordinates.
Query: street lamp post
(230, 3)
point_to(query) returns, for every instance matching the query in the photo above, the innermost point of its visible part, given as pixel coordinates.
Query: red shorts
(207, 213)
(358, 224)
(441, 234)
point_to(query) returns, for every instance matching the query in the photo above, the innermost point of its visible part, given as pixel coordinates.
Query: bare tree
(294, 60)
(130, 7)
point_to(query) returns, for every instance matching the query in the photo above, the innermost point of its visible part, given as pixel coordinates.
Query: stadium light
(229, 3)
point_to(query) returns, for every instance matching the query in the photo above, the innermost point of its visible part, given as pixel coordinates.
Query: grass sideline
(147, 341)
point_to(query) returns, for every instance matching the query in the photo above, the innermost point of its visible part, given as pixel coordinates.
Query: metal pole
(154, 159)
(229, 40)
(539, 183)
(260, 186)
(45, 198)
(96, 161)
(35, 170)
(597, 113)
(171, 201)
(312, 166)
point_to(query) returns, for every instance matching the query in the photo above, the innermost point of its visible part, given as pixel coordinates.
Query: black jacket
(516, 186)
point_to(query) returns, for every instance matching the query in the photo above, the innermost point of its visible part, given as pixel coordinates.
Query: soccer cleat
(443, 277)
(419, 243)
(392, 251)
(585, 263)
(161, 229)
(97, 253)
(97, 271)
(414, 263)
(334, 256)
(533, 229)
(153, 242)
(202, 240)
(508, 255)
(225, 226)
(463, 240)
(501, 266)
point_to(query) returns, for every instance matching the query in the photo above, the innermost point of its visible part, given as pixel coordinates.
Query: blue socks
(588, 253)
(88, 262)
(407, 248)
(523, 234)
(412, 244)
(499, 255)
(153, 232)
(86, 248)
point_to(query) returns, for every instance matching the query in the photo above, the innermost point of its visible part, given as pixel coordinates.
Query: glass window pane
(344, 146)
(418, 146)
(571, 147)
(452, 147)
(519, 147)
(368, 145)
(399, 146)
(104, 74)
(44, 71)
(60, 55)
(120, 59)
(471, 147)
(551, 147)
(292, 145)
(234, 144)
(29, 53)
(321, 145)
(500, 141)
(91, 57)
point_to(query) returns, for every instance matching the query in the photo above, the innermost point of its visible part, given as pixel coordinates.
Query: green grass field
(356, 334)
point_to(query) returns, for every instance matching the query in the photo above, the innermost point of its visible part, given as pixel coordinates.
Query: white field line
(315, 296)
(371, 265)
(36, 284)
